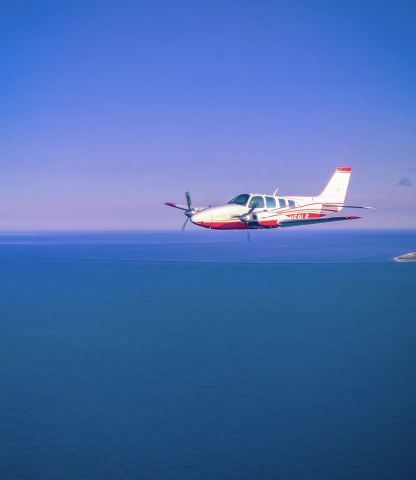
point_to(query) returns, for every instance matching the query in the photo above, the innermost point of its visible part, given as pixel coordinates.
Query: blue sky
(108, 109)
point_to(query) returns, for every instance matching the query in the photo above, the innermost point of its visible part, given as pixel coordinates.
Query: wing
(310, 221)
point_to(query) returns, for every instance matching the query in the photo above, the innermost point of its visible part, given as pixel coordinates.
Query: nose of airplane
(198, 218)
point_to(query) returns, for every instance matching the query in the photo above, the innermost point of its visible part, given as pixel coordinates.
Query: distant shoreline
(407, 257)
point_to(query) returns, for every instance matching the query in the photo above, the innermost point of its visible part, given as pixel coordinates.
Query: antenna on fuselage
(274, 193)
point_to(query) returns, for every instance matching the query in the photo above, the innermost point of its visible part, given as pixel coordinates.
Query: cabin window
(282, 203)
(240, 199)
(292, 204)
(256, 202)
(270, 202)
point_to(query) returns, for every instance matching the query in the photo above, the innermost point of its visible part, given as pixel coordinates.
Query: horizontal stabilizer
(310, 221)
(341, 205)
(358, 206)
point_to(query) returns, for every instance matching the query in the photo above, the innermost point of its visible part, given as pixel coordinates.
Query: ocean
(201, 355)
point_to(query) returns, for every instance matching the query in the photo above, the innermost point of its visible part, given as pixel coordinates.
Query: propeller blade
(188, 200)
(184, 225)
(248, 236)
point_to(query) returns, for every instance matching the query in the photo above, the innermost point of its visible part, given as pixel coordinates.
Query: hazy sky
(108, 109)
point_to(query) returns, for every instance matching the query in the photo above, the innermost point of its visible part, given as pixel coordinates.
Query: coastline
(407, 257)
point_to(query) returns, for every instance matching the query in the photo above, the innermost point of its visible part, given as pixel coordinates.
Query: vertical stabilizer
(336, 188)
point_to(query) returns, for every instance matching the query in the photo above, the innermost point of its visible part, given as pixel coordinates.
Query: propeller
(191, 211)
(248, 217)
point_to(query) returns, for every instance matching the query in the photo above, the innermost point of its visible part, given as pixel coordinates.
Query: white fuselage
(265, 211)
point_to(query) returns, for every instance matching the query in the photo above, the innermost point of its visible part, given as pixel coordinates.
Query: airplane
(263, 211)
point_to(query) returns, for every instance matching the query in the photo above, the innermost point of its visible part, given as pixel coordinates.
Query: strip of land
(407, 257)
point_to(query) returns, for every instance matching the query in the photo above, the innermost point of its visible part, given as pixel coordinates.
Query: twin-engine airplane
(257, 210)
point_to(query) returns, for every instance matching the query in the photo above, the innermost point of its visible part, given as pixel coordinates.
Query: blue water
(198, 355)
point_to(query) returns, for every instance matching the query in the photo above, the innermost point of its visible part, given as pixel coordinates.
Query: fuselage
(261, 210)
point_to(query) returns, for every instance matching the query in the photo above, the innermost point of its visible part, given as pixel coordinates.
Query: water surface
(201, 356)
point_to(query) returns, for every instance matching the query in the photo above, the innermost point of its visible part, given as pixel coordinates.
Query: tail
(336, 189)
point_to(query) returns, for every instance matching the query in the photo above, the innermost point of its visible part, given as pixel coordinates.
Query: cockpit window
(257, 202)
(240, 199)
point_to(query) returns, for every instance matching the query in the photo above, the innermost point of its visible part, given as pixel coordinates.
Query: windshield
(240, 199)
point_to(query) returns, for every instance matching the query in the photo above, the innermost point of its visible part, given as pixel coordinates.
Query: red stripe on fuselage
(223, 225)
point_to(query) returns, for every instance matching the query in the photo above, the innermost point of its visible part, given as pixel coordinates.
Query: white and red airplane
(258, 210)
